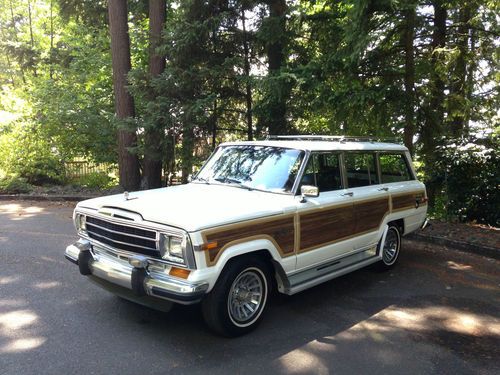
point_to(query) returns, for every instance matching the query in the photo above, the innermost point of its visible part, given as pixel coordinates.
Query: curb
(490, 252)
(49, 198)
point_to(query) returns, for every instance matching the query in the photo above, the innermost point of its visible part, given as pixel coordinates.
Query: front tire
(391, 248)
(236, 304)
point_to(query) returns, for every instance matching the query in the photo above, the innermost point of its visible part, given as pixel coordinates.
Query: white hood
(196, 206)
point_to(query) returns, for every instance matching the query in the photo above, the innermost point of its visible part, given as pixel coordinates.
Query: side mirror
(308, 191)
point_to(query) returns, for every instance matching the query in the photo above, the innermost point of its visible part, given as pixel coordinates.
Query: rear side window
(323, 171)
(361, 169)
(394, 168)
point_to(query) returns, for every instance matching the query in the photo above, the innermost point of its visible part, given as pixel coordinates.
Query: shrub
(469, 172)
(24, 153)
(96, 180)
(14, 185)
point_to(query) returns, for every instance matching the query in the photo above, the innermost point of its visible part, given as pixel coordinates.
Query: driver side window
(323, 171)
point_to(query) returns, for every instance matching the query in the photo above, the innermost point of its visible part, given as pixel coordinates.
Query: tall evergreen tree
(153, 133)
(128, 162)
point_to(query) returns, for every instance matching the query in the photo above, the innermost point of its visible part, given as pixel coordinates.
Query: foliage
(95, 180)
(25, 153)
(427, 71)
(14, 185)
(468, 172)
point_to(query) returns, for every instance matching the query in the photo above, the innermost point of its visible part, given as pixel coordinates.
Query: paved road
(436, 313)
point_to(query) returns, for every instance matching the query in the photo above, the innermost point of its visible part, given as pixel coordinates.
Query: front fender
(212, 273)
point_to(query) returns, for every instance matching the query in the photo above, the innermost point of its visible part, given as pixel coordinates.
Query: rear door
(370, 199)
(408, 196)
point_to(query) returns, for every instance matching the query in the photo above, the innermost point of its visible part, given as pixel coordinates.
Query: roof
(321, 144)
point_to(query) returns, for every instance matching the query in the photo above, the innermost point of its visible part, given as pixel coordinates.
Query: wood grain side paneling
(326, 225)
(407, 201)
(280, 231)
(370, 214)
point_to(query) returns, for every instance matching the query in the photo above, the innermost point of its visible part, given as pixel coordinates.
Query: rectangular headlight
(80, 222)
(173, 248)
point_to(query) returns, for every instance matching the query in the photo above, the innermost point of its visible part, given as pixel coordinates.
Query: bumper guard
(134, 276)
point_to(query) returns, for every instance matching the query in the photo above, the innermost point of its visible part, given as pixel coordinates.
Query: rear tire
(236, 304)
(390, 249)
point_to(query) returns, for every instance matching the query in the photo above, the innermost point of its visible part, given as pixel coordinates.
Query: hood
(194, 206)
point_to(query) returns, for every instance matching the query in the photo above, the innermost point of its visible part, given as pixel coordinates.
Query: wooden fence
(77, 169)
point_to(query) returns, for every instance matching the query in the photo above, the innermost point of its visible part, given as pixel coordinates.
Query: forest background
(153, 86)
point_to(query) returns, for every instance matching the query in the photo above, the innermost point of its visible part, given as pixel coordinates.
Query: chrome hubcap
(391, 247)
(246, 296)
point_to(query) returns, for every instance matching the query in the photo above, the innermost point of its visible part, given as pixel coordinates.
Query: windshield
(265, 168)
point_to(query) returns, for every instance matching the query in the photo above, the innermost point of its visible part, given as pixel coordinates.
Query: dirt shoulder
(481, 239)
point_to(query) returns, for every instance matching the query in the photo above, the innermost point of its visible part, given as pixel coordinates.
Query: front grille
(123, 237)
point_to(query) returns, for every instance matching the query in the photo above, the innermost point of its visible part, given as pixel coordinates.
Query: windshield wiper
(230, 180)
(202, 179)
(227, 179)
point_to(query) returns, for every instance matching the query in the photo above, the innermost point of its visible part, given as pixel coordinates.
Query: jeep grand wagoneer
(285, 213)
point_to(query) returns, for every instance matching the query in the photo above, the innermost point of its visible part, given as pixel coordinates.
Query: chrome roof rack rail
(331, 138)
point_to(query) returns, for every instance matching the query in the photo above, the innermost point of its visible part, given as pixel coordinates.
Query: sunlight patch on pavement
(20, 345)
(18, 212)
(47, 285)
(4, 302)
(303, 361)
(14, 326)
(4, 280)
(17, 319)
(428, 319)
(458, 266)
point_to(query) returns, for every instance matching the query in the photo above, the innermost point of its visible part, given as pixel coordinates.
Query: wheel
(391, 248)
(236, 303)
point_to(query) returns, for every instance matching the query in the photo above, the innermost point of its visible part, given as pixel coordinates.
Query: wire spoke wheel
(246, 296)
(236, 303)
(391, 247)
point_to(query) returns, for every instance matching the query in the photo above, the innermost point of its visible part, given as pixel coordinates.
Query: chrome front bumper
(137, 278)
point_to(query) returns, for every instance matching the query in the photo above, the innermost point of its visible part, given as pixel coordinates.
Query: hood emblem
(127, 197)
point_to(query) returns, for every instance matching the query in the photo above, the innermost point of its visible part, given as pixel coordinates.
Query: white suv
(285, 213)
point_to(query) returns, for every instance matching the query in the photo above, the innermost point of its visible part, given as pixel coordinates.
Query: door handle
(350, 194)
(383, 189)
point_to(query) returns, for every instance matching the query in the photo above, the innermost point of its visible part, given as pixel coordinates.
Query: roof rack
(332, 138)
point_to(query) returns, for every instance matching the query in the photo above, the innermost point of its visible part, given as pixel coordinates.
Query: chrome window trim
(302, 168)
(293, 190)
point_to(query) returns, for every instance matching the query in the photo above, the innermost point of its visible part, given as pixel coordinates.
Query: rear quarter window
(394, 168)
(361, 169)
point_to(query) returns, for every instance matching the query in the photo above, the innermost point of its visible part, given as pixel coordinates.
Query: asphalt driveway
(436, 313)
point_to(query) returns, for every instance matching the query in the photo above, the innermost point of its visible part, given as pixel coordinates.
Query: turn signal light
(179, 272)
(210, 245)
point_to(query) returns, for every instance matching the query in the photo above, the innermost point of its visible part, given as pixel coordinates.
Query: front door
(326, 223)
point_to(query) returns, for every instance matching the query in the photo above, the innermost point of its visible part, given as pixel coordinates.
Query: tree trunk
(128, 163)
(51, 68)
(458, 101)
(14, 29)
(154, 136)
(187, 150)
(469, 91)
(432, 130)
(409, 77)
(31, 37)
(275, 55)
(248, 87)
